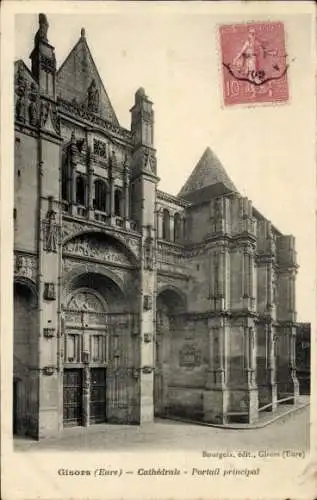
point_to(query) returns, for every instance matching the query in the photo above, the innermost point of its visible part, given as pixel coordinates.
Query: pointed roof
(208, 172)
(77, 73)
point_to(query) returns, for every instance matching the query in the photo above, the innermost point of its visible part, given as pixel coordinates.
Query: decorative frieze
(85, 114)
(95, 248)
(72, 228)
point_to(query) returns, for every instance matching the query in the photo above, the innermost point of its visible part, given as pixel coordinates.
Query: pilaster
(215, 398)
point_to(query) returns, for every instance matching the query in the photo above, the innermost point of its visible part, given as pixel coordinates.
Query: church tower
(144, 182)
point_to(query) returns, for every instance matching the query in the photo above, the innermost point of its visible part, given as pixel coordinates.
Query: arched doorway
(98, 385)
(24, 409)
(170, 305)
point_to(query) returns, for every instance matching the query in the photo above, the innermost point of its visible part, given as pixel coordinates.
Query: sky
(268, 151)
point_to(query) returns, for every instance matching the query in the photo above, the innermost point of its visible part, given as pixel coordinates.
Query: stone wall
(25, 192)
(188, 361)
(25, 373)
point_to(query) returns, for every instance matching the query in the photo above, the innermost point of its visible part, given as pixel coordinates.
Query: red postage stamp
(254, 63)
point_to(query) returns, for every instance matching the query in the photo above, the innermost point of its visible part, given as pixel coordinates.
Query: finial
(43, 28)
(83, 33)
(140, 92)
(73, 137)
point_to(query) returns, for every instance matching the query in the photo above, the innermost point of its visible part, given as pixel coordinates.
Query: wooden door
(73, 394)
(98, 396)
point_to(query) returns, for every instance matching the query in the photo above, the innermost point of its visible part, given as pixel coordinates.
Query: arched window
(166, 225)
(177, 227)
(80, 190)
(118, 201)
(100, 202)
(65, 184)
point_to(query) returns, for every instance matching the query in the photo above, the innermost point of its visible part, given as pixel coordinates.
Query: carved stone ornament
(147, 369)
(25, 265)
(95, 248)
(48, 64)
(33, 105)
(49, 370)
(56, 121)
(45, 107)
(20, 90)
(85, 357)
(100, 148)
(147, 302)
(148, 254)
(49, 291)
(82, 112)
(189, 356)
(49, 332)
(72, 228)
(147, 338)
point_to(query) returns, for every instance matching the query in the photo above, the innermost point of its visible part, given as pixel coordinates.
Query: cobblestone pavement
(290, 432)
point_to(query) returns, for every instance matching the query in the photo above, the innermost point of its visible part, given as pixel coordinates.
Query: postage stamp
(254, 63)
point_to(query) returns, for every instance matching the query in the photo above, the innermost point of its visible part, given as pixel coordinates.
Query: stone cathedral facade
(131, 303)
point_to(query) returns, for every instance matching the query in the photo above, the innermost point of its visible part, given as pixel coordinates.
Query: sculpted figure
(93, 97)
(33, 106)
(20, 89)
(51, 231)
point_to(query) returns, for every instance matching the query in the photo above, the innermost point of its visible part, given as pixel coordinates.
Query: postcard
(158, 250)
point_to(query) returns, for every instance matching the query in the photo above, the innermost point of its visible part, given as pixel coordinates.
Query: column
(126, 199)
(147, 315)
(112, 188)
(86, 373)
(271, 365)
(160, 224)
(252, 288)
(90, 193)
(294, 379)
(172, 227)
(73, 190)
(221, 279)
(251, 347)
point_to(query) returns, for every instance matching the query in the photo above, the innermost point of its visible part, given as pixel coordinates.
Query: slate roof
(75, 76)
(208, 172)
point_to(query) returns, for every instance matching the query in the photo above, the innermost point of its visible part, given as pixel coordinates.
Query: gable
(77, 75)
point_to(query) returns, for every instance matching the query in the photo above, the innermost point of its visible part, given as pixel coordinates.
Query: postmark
(254, 63)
